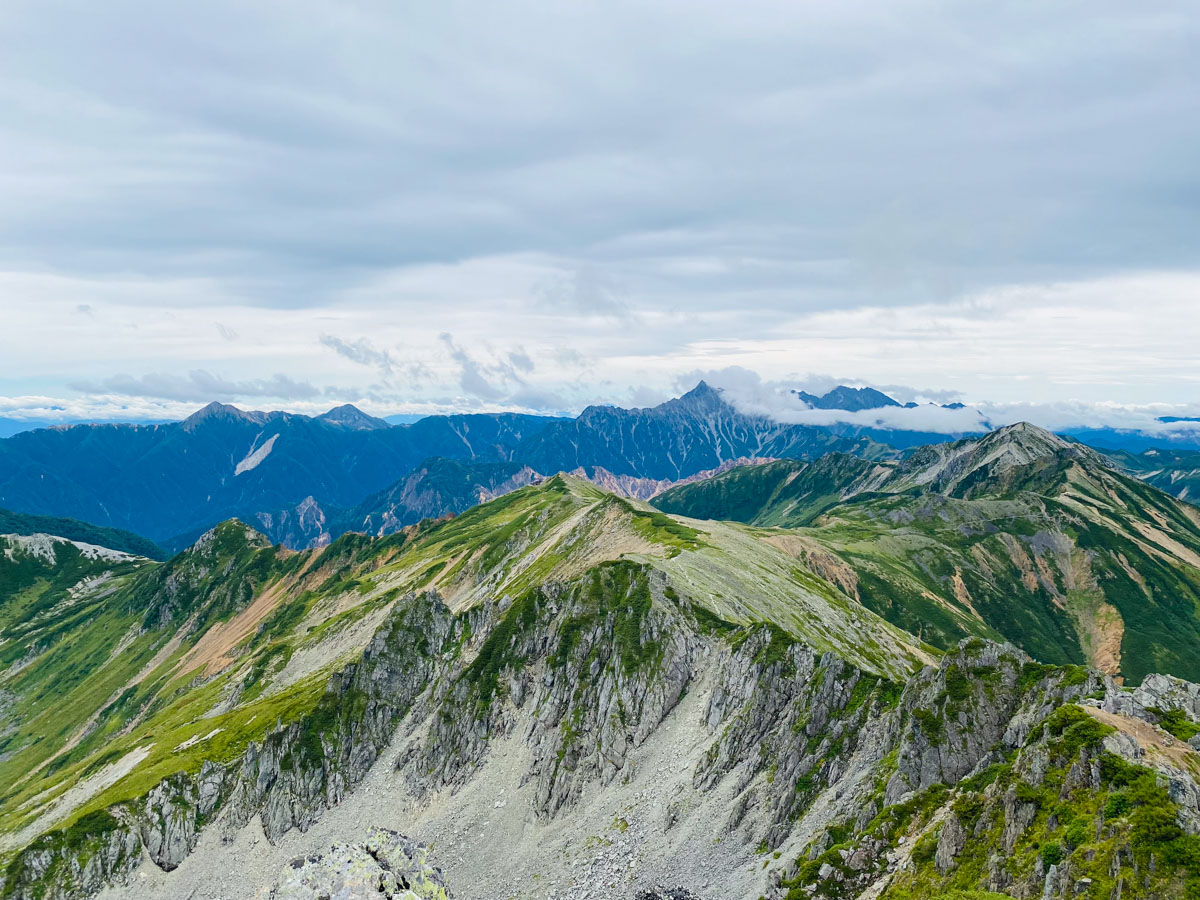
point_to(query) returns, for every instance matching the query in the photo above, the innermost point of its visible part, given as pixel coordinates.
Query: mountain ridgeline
(563, 692)
(304, 481)
(172, 482)
(1020, 536)
(964, 672)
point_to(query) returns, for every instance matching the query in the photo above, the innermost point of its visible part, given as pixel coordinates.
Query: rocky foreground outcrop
(384, 865)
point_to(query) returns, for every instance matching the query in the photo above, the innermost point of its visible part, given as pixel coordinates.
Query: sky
(471, 206)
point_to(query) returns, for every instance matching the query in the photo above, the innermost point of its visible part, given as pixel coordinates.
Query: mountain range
(1019, 535)
(305, 480)
(880, 680)
(171, 482)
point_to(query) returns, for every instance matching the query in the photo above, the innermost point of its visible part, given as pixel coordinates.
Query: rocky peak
(995, 455)
(702, 398)
(1027, 439)
(350, 416)
(217, 411)
(226, 535)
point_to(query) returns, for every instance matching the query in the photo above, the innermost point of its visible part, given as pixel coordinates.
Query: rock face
(865, 778)
(384, 866)
(599, 665)
(288, 779)
(1156, 693)
(780, 706)
(58, 867)
(961, 711)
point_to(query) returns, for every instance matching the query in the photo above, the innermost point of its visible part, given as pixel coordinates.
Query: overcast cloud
(537, 206)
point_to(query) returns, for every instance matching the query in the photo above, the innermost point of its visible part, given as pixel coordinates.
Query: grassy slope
(786, 492)
(97, 674)
(1056, 552)
(1175, 471)
(176, 663)
(562, 528)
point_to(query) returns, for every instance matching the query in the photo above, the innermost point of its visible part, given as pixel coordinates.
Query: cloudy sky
(424, 207)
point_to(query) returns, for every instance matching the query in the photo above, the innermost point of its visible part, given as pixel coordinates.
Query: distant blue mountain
(1134, 441)
(169, 482)
(848, 398)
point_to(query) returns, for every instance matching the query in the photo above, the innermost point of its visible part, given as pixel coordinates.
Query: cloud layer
(469, 207)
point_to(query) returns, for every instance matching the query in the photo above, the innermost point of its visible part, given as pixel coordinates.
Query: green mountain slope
(1018, 535)
(786, 492)
(1175, 471)
(600, 658)
(157, 668)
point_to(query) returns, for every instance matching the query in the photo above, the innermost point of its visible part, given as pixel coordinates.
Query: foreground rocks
(384, 866)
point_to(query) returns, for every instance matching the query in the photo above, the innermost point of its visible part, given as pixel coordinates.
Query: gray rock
(951, 841)
(384, 866)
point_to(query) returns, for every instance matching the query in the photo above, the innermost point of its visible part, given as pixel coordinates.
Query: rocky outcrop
(384, 866)
(1155, 693)
(781, 707)
(595, 667)
(288, 779)
(980, 697)
(73, 862)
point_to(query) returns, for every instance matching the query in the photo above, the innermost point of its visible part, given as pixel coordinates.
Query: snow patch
(256, 456)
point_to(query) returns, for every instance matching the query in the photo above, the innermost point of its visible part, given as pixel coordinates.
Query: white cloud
(198, 386)
(976, 202)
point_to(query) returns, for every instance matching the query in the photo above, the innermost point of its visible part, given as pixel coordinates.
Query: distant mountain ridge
(296, 475)
(848, 398)
(170, 482)
(441, 487)
(164, 481)
(1175, 471)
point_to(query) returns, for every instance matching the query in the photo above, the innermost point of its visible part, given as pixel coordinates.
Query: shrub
(958, 685)
(925, 849)
(1116, 806)
(1052, 854)
(1077, 834)
(1176, 722)
(1153, 825)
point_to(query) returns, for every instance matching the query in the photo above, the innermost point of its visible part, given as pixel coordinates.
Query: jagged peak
(702, 396)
